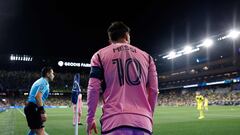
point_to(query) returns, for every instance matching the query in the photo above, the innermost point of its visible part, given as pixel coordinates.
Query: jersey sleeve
(41, 88)
(96, 67)
(94, 85)
(152, 84)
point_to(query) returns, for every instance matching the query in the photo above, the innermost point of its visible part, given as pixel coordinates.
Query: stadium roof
(66, 28)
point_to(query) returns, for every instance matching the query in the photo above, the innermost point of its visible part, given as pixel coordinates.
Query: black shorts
(33, 116)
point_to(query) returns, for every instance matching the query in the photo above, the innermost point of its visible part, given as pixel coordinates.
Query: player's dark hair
(117, 30)
(45, 70)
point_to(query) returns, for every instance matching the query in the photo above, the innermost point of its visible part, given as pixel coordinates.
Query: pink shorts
(128, 131)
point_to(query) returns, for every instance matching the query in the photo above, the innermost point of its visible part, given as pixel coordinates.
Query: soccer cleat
(201, 117)
(80, 124)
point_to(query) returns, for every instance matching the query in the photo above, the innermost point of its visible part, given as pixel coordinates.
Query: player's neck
(120, 41)
(46, 79)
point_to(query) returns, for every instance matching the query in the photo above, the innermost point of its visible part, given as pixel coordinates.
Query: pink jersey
(131, 88)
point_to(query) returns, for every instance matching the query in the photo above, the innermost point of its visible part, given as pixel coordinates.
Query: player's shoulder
(100, 51)
(109, 48)
(41, 81)
(95, 60)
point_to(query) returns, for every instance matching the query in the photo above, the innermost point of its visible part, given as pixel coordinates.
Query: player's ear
(109, 42)
(127, 37)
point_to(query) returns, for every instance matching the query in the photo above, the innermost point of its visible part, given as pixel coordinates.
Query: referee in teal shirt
(34, 110)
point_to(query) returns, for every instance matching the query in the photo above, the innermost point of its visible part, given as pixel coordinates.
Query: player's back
(39, 85)
(126, 74)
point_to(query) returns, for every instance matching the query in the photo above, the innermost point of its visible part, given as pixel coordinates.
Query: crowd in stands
(175, 98)
(63, 101)
(22, 80)
(186, 97)
(216, 96)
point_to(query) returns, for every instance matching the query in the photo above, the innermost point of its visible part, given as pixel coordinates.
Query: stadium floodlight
(190, 86)
(12, 58)
(197, 60)
(208, 42)
(233, 34)
(205, 68)
(172, 54)
(60, 63)
(187, 49)
(192, 71)
(175, 56)
(165, 56)
(234, 80)
(16, 57)
(214, 83)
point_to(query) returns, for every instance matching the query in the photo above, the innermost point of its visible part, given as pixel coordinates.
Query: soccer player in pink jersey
(79, 110)
(128, 79)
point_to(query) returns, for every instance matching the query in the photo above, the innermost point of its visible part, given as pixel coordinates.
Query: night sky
(66, 28)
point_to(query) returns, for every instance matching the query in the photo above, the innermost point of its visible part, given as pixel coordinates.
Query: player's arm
(92, 102)
(39, 102)
(94, 85)
(152, 85)
(39, 99)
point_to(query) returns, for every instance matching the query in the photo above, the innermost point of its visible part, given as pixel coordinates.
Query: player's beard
(51, 77)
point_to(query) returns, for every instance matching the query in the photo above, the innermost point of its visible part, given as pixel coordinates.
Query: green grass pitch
(219, 120)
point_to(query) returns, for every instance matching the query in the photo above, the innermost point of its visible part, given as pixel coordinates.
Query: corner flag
(76, 90)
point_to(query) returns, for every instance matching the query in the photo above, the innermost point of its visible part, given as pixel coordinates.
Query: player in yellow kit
(200, 100)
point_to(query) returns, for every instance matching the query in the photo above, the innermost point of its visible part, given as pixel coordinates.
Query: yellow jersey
(199, 100)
